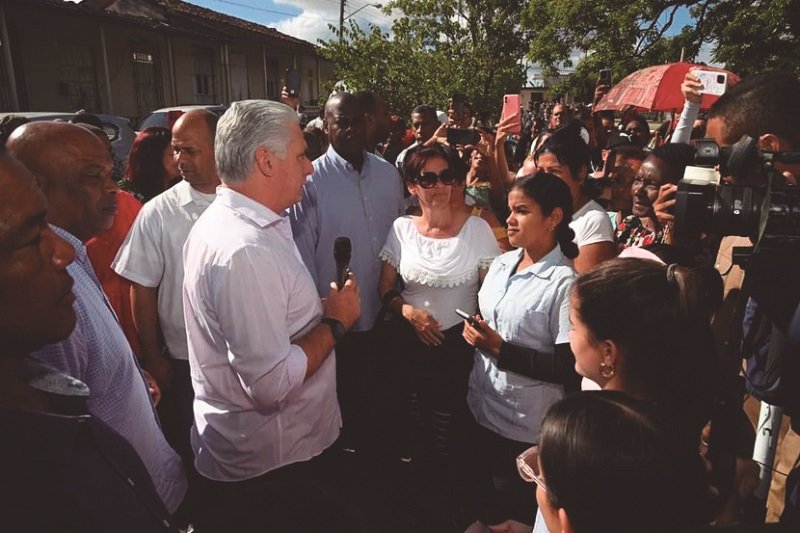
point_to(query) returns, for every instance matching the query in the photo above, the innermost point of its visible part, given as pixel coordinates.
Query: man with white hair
(260, 340)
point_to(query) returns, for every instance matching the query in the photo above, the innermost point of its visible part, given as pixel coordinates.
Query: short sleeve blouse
(441, 275)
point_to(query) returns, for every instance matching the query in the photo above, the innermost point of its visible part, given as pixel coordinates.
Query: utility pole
(341, 19)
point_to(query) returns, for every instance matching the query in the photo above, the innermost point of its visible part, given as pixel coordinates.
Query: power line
(274, 11)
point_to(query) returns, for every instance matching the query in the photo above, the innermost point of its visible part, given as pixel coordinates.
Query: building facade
(129, 57)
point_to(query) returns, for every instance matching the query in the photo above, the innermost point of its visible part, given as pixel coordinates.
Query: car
(119, 130)
(165, 117)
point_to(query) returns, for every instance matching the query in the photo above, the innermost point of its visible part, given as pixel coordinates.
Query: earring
(607, 371)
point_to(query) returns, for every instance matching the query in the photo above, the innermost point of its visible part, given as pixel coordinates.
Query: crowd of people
(182, 350)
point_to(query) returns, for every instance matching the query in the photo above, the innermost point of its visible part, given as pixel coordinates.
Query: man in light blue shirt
(354, 194)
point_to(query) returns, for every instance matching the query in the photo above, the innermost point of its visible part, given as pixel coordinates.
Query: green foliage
(753, 36)
(435, 49)
(626, 35)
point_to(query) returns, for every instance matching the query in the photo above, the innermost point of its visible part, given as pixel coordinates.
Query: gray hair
(244, 127)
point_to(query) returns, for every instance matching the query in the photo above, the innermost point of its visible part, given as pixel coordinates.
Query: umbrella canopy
(657, 88)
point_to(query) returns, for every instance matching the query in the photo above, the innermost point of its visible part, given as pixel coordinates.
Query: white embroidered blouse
(441, 275)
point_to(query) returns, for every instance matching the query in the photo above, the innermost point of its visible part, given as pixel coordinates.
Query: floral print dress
(631, 232)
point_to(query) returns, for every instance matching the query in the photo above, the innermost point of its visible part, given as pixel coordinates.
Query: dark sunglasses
(427, 180)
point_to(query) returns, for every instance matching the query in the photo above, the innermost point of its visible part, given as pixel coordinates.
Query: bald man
(63, 469)
(73, 169)
(151, 258)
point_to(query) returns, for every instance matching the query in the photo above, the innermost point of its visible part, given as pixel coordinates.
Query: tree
(626, 35)
(436, 49)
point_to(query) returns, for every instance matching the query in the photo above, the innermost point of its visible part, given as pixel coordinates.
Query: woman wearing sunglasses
(440, 256)
(608, 463)
(522, 362)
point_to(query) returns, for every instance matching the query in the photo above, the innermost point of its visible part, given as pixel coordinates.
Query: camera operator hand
(691, 88)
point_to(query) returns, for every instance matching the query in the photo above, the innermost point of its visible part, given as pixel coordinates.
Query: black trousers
(498, 492)
(176, 415)
(295, 497)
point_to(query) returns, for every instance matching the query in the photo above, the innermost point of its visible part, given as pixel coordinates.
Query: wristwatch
(337, 328)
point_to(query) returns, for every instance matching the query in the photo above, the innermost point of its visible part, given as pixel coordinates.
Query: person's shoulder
(404, 223)
(477, 224)
(592, 208)
(592, 218)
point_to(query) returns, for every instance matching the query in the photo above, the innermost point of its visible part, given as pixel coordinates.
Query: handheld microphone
(342, 250)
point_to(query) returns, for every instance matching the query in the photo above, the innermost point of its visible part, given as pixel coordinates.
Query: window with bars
(147, 79)
(204, 79)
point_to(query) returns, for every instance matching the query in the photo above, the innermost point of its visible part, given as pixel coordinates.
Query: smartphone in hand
(293, 82)
(472, 322)
(462, 137)
(511, 107)
(713, 82)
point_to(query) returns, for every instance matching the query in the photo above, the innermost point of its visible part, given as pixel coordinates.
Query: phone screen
(462, 137)
(293, 82)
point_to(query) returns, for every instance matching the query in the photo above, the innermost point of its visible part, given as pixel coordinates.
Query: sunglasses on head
(427, 180)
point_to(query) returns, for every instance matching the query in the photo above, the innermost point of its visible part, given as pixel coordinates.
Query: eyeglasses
(528, 468)
(427, 180)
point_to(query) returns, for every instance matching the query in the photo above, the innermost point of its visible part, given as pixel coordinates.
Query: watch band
(337, 328)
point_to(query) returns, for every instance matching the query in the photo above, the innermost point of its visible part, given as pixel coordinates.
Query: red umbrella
(657, 88)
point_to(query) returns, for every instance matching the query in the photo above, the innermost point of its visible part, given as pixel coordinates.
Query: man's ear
(264, 161)
(772, 143)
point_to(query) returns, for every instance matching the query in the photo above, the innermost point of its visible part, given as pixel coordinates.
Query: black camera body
(760, 205)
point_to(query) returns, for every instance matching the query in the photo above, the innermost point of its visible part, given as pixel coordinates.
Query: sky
(309, 19)
(304, 19)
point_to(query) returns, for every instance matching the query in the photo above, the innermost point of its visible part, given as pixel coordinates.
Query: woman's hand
(691, 87)
(483, 337)
(428, 329)
(503, 128)
(439, 136)
(664, 202)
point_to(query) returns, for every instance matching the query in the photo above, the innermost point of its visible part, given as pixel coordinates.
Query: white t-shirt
(441, 275)
(591, 225)
(152, 255)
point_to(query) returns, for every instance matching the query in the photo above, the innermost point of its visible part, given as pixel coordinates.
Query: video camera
(758, 204)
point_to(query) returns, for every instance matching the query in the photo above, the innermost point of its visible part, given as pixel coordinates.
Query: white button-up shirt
(247, 295)
(152, 255)
(529, 308)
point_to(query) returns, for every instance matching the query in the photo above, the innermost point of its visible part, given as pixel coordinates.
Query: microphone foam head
(342, 249)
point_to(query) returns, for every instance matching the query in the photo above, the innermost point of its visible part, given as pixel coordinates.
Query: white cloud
(312, 23)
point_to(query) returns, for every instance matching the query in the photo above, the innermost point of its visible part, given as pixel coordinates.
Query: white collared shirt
(529, 308)
(247, 295)
(152, 255)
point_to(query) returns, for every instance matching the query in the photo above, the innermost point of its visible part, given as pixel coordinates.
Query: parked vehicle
(165, 117)
(119, 129)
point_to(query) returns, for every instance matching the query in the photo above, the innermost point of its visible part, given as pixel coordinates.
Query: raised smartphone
(511, 108)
